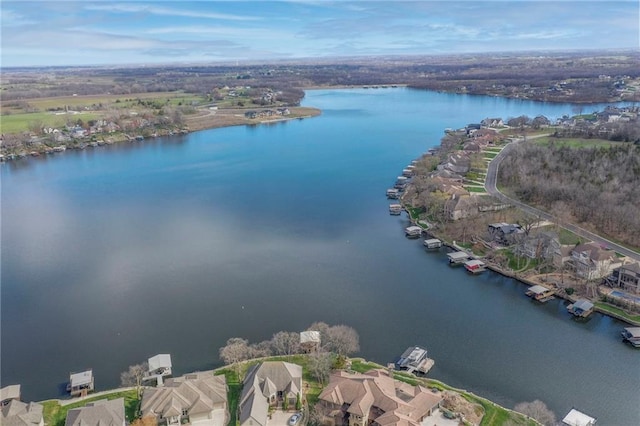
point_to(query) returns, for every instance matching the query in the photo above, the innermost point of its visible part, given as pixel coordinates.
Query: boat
(432, 243)
(632, 335)
(540, 293)
(474, 266)
(395, 209)
(581, 308)
(413, 231)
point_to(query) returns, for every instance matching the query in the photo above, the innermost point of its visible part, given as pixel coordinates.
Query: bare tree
(235, 351)
(285, 343)
(320, 365)
(537, 410)
(134, 376)
(145, 421)
(342, 340)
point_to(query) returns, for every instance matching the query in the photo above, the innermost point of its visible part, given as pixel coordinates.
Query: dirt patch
(454, 402)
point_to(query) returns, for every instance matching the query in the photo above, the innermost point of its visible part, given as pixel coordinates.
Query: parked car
(295, 419)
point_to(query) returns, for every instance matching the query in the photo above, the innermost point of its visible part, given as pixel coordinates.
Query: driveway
(281, 418)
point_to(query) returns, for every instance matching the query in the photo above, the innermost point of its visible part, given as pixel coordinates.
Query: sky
(112, 32)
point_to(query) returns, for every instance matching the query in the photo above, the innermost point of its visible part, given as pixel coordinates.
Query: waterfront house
(461, 206)
(9, 393)
(98, 413)
(197, 398)
(375, 398)
(18, 413)
(80, 384)
(540, 293)
(505, 233)
(268, 385)
(590, 261)
(581, 308)
(159, 368)
(627, 277)
(539, 246)
(577, 418)
(492, 122)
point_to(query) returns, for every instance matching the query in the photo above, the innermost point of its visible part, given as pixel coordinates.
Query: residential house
(561, 254)
(505, 233)
(539, 246)
(460, 207)
(18, 413)
(269, 384)
(98, 413)
(590, 261)
(9, 393)
(627, 277)
(375, 398)
(459, 162)
(492, 122)
(197, 399)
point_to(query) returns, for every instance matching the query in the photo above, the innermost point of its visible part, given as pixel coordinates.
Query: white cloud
(14, 19)
(166, 11)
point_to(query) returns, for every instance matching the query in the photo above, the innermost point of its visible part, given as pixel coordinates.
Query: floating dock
(395, 209)
(540, 293)
(80, 384)
(413, 231)
(474, 266)
(581, 308)
(458, 257)
(432, 243)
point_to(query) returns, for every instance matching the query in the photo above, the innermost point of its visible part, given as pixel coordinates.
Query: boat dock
(395, 209)
(632, 335)
(577, 418)
(413, 231)
(415, 360)
(432, 243)
(393, 193)
(581, 308)
(458, 257)
(540, 293)
(474, 266)
(80, 384)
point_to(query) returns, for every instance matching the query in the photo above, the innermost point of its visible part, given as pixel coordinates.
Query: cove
(174, 245)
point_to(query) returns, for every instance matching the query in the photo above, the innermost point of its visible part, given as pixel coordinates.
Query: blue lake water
(115, 254)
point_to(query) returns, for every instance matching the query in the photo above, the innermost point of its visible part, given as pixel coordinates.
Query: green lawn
(475, 188)
(17, 123)
(55, 414)
(491, 155)
(576, 142)
(617, 311)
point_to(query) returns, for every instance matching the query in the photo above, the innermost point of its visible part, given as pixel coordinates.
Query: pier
(432, 243)
(458, 257)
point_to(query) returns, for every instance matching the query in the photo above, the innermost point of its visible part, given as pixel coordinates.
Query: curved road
(490, 186)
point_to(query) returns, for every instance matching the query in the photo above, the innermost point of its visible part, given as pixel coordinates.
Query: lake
(114, 254)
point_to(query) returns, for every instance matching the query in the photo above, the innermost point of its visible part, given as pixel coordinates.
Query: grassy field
(617, 311)
(16, 123)
(55, 414)
(575, 142)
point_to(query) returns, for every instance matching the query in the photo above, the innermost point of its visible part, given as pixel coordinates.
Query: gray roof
(310, 336)
(538, 289)
(18, 413)
(458, 255)
(196, 393)
(583, 304)
(633, 331)
(159, 361)
(98, 413)
(264, 380)
(10, 392)
(79, 379)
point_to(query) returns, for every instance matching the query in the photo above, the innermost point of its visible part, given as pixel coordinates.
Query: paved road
(491, 188)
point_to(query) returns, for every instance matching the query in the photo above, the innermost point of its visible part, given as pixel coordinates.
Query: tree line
(594, 186)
